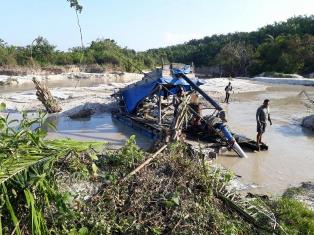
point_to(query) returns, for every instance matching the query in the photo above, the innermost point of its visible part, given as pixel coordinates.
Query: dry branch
(137, 169)
(45, 96)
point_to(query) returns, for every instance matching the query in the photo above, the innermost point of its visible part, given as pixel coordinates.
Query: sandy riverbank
(77, 91)
(72, 90)
(96, 90)
(261, 172)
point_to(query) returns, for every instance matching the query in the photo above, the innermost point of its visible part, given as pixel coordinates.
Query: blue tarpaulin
(134, 95)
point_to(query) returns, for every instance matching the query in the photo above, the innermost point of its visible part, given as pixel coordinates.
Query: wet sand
(290, 159)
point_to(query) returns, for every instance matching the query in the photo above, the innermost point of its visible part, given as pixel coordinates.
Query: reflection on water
(290, 159)
(98, 127)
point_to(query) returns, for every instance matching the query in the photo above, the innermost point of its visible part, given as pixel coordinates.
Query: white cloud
(176, 38)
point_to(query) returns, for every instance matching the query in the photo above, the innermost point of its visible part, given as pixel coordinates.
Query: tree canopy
(286, 47)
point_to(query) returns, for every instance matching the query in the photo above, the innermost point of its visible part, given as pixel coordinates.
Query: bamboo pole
(159, 105)
(137, 169)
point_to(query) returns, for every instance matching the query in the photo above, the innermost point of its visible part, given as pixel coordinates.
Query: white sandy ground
(71, 99)
(216, 86)
(98, 97)
(112, 77)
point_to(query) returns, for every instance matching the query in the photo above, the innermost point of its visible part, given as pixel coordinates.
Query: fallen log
(44, 95)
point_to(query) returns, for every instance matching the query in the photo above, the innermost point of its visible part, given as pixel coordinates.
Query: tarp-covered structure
(133, 95)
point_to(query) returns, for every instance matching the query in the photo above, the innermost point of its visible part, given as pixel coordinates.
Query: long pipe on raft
(206, 97)
(231, 141)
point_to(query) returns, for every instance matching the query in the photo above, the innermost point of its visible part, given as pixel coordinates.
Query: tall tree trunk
(45, 96)
(81, 35)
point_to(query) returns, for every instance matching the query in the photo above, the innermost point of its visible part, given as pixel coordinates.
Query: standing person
(262, 114)
(228, 90)
(177, 99)
(196, 110)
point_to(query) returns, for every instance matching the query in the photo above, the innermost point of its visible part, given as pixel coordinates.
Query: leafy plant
(294, 216)
(28, 191)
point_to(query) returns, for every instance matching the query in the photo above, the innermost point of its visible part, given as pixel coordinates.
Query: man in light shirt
(262, 114)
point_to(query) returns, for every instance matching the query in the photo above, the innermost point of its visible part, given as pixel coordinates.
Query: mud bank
(308, 122)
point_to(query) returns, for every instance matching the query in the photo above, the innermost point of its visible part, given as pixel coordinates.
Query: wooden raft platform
(157, 132)
(146, 128)
(244, 142)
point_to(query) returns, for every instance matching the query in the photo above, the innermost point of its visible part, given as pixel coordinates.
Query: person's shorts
(261, 126)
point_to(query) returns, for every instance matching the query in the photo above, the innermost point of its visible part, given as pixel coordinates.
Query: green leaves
(26, 165)
(173, 201)
(2, 106)
(75, 4)
(83, 231)
(38, 222)
(11, 210)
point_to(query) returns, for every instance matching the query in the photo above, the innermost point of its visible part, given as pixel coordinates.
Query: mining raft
(167, 105)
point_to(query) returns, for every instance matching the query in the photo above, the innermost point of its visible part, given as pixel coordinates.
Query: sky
(139, 24)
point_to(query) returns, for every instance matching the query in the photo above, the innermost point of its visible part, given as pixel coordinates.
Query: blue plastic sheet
(134, 95)
(186, 69)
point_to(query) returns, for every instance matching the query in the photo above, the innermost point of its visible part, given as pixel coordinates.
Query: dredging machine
(166, 106)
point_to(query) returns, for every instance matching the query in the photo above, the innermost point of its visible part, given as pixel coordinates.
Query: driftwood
(45, 96)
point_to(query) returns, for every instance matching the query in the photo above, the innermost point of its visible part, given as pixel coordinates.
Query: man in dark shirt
(262, 114)
(228, 90)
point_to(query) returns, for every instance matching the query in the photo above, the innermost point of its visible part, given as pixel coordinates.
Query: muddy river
(288, 162)
(290, 158)
(99, 127)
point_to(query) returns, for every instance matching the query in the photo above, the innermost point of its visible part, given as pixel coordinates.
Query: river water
(99, 127)
(290, 158)
(288, 162)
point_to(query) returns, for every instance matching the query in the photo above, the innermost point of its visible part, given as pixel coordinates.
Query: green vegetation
(294, 216)
(285, 47)
(70, 187)
(30, 200)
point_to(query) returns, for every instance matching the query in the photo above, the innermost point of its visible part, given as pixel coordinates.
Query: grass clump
(294, 216)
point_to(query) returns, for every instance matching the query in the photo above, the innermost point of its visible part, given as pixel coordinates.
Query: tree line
(286, 47)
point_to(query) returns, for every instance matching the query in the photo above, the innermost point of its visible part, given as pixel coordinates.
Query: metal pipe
(206, 97)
